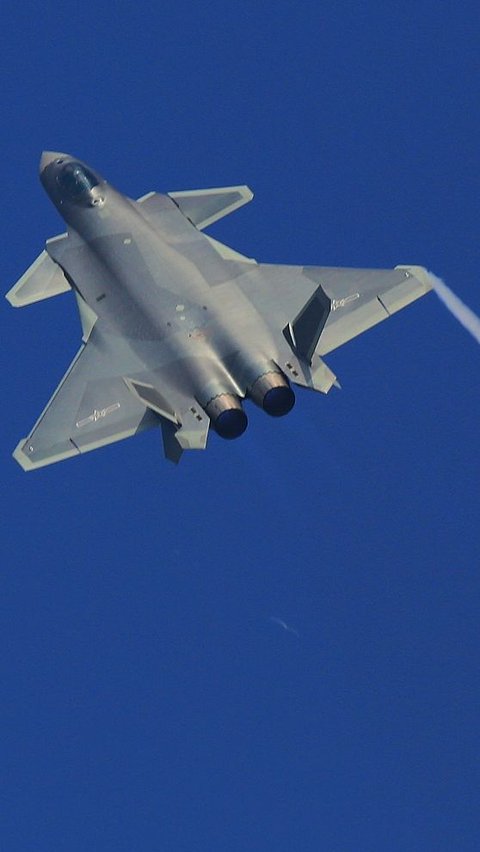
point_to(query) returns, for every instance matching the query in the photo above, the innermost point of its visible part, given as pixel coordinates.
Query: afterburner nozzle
(227, 415)
(272, 392)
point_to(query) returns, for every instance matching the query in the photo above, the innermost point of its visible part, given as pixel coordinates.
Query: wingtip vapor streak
(179, 329)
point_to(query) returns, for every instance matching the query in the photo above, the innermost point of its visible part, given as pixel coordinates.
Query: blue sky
(149, 701)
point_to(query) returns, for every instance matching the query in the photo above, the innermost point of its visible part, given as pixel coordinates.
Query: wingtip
(21, 457)
(27, 462)
(420, 273)
(12, 299)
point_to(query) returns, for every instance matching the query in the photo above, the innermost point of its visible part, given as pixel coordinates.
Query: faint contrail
(460, 311)
(284, 625)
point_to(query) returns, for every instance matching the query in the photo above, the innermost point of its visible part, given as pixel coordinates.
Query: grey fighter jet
(178, 328)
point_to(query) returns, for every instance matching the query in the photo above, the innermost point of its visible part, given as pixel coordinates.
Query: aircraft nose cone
(48, 157)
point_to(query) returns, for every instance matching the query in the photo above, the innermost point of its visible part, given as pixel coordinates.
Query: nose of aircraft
(49, 156)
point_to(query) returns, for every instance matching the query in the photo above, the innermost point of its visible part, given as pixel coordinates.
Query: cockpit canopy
(75, 179)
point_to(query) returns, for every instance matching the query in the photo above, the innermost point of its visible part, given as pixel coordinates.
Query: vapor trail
(284, 625)
(460, 311)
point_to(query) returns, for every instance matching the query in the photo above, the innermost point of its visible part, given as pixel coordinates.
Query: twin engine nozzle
(270, 390)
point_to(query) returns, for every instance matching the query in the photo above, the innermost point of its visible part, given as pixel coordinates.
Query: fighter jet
(179, 330)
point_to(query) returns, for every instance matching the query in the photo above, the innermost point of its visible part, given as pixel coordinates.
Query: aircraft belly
(177, 327)
(113, 278)
(213, 324)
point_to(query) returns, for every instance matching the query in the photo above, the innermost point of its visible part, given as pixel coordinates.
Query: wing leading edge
(43, 279)
(91, 407)
(106, 395)
(203, 207)
(359, 299)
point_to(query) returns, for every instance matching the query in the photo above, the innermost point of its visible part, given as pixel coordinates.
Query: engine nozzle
(272, 392)
(227, 415)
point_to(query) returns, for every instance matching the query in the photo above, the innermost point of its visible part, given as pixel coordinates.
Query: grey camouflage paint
(177, 327)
